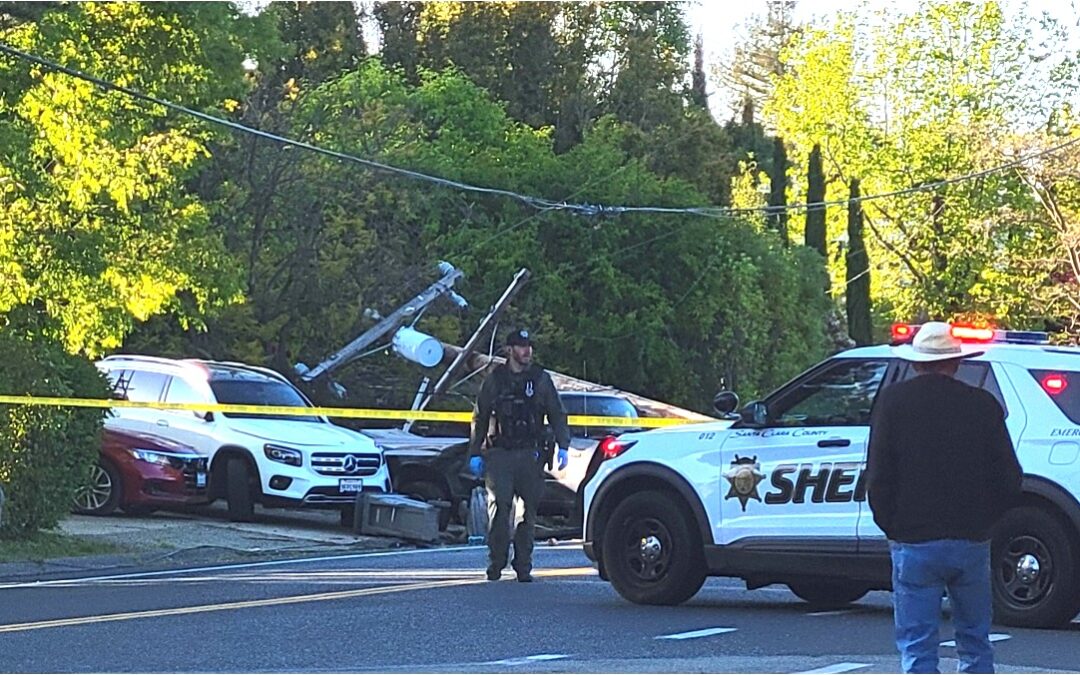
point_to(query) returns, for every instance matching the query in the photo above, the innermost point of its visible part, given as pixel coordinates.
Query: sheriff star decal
(744, 476)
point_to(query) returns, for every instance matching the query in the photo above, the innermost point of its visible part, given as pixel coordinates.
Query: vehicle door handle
(834, 443)
(163, 423)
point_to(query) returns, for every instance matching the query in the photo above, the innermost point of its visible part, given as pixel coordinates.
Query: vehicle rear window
(137, 385)
(1068, 399)
(247, 391)
(975, 373)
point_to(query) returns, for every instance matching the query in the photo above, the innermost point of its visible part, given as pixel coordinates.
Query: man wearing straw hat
(941, 472)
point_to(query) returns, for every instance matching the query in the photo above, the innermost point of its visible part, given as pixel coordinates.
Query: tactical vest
(518, 418)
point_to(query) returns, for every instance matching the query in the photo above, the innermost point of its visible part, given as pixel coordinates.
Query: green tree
(97, 227)
(756, 61)
(778, 189)
(698, 95)
(815, 237)
(46, 452)
(857, 289)
(909, 100)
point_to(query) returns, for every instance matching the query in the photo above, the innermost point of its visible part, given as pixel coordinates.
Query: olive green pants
(510, 474)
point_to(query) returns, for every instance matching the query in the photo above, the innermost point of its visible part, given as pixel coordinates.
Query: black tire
(1034, 570)
(238, 490)
(102, 492)
(652, 552)
(827, 592)
(428, 491)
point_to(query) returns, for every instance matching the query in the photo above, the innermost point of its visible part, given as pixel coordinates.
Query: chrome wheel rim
(97, 491)
(1025, 571)
(647, 550)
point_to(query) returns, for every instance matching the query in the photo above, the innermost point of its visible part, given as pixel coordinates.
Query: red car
(140, 473)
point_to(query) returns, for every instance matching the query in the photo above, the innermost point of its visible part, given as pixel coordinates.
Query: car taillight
(1054, 384)
(612, 447)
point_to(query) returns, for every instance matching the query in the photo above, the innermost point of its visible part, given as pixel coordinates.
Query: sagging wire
(541, 203)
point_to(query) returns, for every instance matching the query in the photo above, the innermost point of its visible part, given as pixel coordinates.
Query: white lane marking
(243, 604)
(994, 637)
(836, 668)
(704, 632)
(524, 660)
(835, 612)
(237, 566)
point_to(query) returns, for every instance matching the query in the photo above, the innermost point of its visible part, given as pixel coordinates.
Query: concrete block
(391, 515)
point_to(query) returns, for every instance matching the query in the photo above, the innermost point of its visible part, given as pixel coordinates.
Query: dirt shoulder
(200, 536)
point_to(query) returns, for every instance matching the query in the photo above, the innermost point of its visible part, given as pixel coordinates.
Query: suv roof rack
(239, 366)
(146, 359)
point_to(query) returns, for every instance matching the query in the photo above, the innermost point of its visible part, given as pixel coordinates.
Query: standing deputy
(507, 446)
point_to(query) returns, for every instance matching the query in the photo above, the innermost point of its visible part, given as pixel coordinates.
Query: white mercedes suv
(277, 460)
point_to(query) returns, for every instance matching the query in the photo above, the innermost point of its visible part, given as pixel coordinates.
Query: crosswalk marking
(524, 660)
(994, 637)
(836, 668)
(835, 612)
(704, 632)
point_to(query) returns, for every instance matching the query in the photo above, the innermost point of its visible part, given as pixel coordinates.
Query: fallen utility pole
(444, 381)
(392, 322)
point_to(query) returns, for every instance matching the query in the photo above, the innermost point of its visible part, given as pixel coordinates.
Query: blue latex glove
(476, 466)
(564, 458)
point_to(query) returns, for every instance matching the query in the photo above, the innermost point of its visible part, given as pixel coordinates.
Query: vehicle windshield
(249, 389)
(598, 406)
(603, 406)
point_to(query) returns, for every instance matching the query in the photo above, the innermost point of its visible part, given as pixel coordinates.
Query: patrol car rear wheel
(1034, 568)
(825, 593)
(651, 553)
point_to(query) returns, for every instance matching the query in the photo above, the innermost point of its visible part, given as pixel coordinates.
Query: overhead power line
(540, 203)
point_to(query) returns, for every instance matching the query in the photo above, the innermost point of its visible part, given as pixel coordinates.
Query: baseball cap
(519, 338)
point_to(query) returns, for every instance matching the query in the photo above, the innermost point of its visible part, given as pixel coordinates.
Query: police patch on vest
(744, 476)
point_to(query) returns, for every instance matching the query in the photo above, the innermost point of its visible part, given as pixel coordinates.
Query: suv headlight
(288, 456)
(150, 456)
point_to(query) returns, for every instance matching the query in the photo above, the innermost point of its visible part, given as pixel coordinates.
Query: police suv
(780, 495)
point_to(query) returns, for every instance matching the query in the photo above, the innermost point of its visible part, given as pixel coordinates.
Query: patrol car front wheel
(650, 551)
(1034, 570)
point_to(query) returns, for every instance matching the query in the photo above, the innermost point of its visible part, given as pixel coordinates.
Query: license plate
(200, 479)
(350, 485)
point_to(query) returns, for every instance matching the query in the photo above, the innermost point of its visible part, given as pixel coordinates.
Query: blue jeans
(921, 574)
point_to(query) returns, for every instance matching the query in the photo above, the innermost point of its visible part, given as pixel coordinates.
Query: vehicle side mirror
(725, 402)
(756, 413)
(206, 416)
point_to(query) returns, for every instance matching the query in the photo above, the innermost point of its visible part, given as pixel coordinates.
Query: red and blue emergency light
(904, 332)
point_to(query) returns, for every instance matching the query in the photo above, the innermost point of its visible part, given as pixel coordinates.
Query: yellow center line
(246, 604)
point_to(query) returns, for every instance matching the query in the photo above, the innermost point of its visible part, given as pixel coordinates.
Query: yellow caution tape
(355, 413)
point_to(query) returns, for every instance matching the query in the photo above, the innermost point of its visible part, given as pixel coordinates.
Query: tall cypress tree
(858, 273)
(778, 193)
(815, 192)
(697, 91)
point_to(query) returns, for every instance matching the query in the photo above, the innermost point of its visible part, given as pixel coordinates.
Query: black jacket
(484, 428)
(941, 464)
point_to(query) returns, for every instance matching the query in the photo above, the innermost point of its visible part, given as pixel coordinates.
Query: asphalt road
(432, 611)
